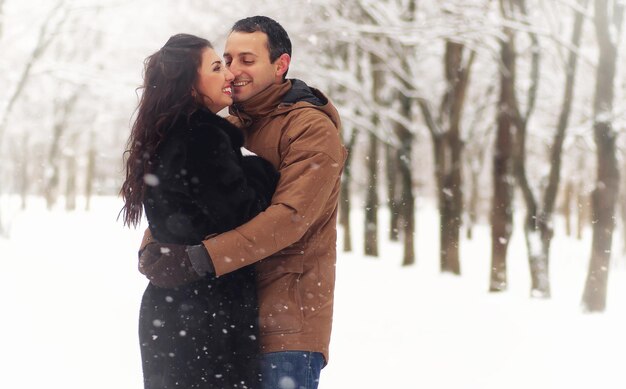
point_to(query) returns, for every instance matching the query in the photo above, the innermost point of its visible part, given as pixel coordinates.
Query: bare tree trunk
(407, 198)
(71, 167)
(91, 171)
(347, 53)
(475, 159)
(63, 111)
(52, 168)
(543, 220)
(448, 156)
(344, 210)
(23, 179)
(566, 206)
(622, 202)
(391, 168)
(19, 155)
(406, 141)
(537, 231)
(604, 196)
(583, 210)
(408, 205)
(371, 200)
(623, 209)
(345, 195)
(405, 169)
(472, 204)
(70, 185)
(502, 202)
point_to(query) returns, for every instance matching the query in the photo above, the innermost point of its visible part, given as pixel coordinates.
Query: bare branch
(1, 18)
(47, 33)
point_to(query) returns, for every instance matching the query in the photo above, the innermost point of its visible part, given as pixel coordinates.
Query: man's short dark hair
(278, 42)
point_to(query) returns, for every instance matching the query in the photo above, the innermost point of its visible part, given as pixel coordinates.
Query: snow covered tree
(447, 151)
(538, 229)
(502, 201)
(608, 18)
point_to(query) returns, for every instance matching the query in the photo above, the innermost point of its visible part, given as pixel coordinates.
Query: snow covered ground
(69, 292)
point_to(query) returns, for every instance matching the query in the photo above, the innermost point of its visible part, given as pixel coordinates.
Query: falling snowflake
(286, 383)
(151, 180)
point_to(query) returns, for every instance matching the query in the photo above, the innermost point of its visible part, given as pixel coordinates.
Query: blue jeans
(291, 370)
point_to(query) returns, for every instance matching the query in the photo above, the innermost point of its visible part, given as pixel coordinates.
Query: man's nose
(228, 75)
(234, 69)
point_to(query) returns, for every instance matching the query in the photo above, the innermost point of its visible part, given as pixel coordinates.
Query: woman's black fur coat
(204, 334)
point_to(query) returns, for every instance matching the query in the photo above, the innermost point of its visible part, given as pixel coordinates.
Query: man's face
(246, 55)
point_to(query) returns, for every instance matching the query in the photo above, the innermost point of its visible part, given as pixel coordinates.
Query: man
(292, 243)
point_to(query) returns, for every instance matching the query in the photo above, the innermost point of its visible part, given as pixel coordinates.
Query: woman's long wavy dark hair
(169, 77)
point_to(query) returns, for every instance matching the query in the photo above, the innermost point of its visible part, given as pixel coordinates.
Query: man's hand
(166, 265)
(170, 265)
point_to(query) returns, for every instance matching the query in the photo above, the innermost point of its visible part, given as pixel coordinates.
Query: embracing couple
(241, 247)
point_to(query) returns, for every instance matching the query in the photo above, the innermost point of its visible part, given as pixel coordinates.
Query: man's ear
(282, 64)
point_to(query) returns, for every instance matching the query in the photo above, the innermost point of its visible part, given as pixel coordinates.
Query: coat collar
(261, 105)
(202, 118)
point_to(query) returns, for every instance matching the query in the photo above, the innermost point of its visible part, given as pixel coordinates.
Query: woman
(186, 169)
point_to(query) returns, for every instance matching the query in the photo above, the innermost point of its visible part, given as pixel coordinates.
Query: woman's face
(214, 82)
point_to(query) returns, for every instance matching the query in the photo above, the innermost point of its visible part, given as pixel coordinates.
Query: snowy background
(69, 285)
(70, 291)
